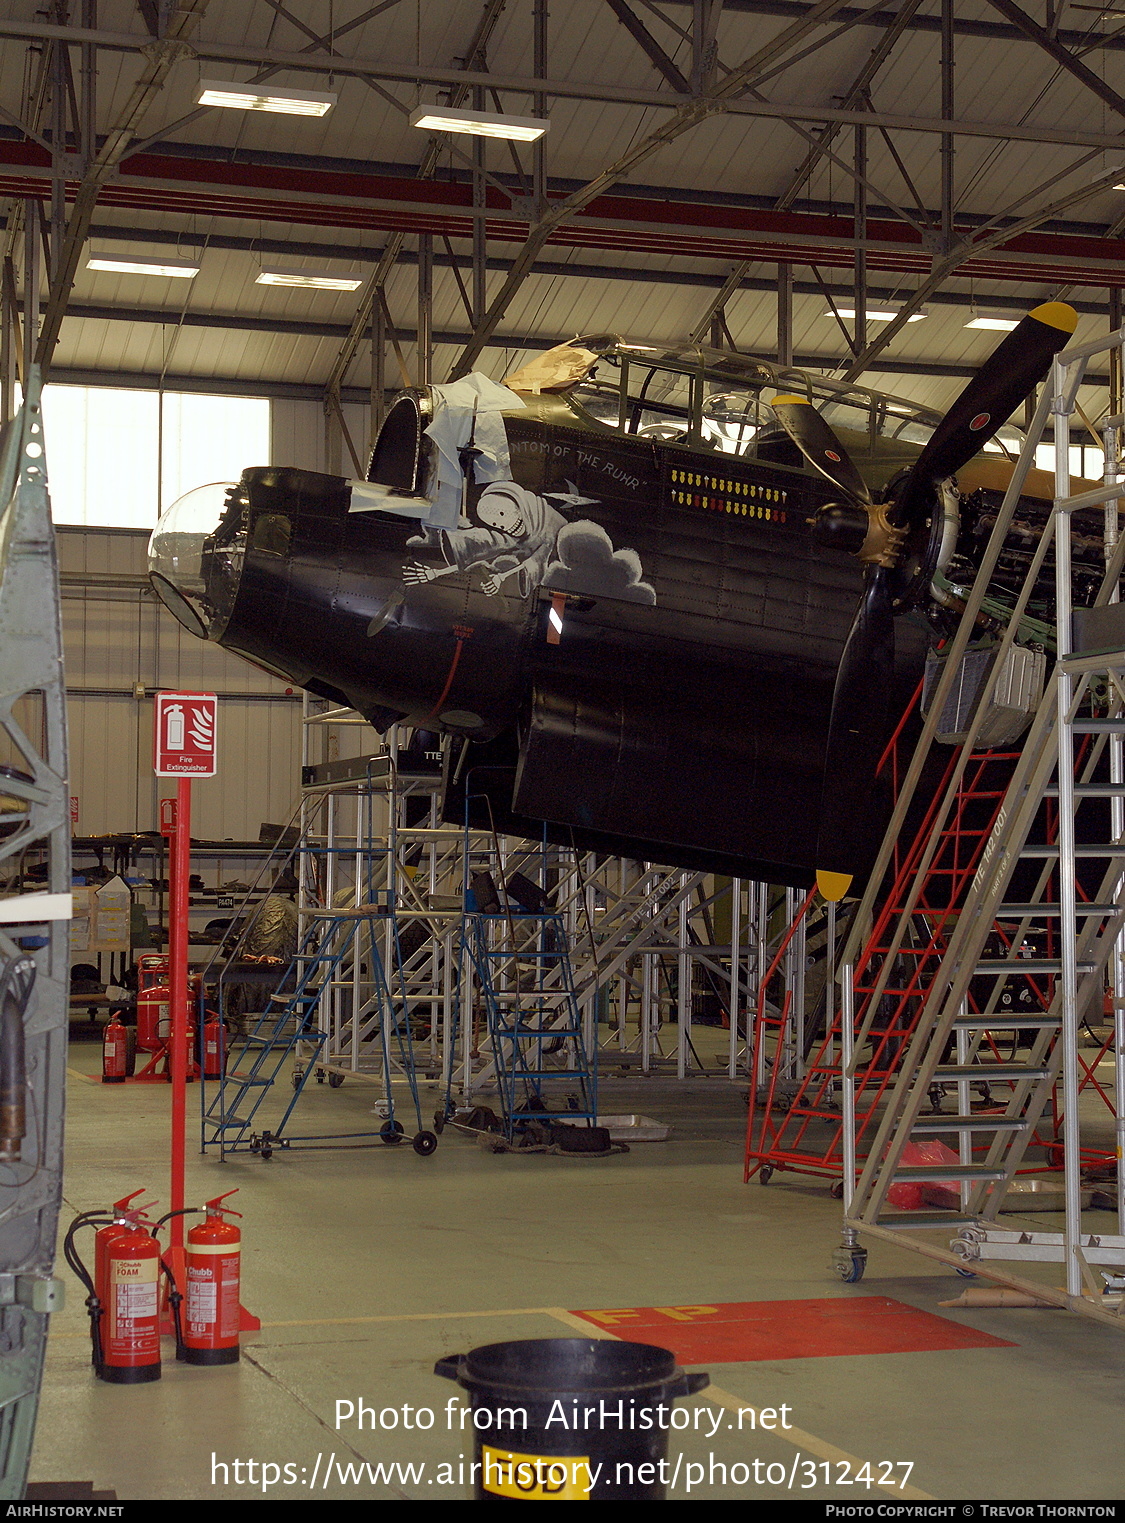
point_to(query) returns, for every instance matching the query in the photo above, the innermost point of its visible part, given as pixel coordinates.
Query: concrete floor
(366, 1265)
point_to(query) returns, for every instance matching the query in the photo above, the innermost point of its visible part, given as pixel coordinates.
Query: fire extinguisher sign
(184, 735)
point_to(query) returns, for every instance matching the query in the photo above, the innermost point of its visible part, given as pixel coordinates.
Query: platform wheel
(335, 1080)
(1055, 1155)
(836, 1189)
(391, 1132)
(765, 1174)
(424, 1144)
(849, 1264)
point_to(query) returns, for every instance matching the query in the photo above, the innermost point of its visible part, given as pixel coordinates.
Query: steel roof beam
(997, 31)
(335, 63)
(851, 99)
(1061, 55)
(360, 396)
(475, 55)
(962, 26)
(656, 54)
(161, 57)
(634, 274)
(687, 116)
(946, 267)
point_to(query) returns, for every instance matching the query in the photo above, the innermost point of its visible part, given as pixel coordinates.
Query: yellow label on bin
(535, 1477)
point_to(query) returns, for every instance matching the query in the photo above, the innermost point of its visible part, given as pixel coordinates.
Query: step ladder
(1068, 888)
(523, 978)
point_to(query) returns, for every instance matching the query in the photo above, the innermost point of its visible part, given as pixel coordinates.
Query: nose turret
(192, 574)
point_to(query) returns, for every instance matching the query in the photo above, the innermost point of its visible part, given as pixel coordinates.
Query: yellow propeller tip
(833, 886)
(1056, 314)
(804, 401)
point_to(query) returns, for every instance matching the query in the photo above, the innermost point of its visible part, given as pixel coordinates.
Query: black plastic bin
(570, 1419)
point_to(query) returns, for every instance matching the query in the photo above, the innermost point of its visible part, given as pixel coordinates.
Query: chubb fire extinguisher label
(212, 1291)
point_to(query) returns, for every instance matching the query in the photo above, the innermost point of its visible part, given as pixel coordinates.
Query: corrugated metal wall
(299, 437)
(117, 635)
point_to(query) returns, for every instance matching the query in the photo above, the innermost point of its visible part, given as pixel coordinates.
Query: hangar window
(116, 459)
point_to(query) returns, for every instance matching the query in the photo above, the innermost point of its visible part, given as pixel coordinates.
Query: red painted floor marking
(737, 1332)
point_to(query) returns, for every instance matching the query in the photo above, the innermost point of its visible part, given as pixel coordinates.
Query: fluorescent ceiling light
(317, 280)
(140, 264)
(521, 129)
(877, 315)
(999, 322)
(246, 97)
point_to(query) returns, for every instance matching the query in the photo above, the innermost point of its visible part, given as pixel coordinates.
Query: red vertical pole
(178, 959)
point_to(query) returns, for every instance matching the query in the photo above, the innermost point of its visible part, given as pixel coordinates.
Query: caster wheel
(335, 1080)
(266, 1154)
(849, 1264)
(765, 1174)
(439, 1123)
(1055, 1155)
(391, 1132)
(320, 1076)
(296, 1081)
(425, 1143)
(836, 1189)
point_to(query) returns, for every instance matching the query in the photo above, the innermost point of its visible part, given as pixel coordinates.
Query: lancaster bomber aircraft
(669, 605)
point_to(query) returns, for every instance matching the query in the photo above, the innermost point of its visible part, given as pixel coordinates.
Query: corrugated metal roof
(736, 155)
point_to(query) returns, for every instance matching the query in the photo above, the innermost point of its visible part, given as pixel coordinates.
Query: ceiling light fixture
(315, 280)
(995, 322)
(141, 264)
(520, 129)
(877, 315)
(245, 97)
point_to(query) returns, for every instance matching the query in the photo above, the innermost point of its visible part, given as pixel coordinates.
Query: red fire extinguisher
(214, 1046)
(213, 1312)
(153, 1001)
(107, 1233)
(126, 1284)
(115, 1051)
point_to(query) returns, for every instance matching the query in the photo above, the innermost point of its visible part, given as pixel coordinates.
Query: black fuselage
(682, 717)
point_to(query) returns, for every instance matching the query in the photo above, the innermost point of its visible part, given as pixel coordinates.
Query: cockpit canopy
(714, 399)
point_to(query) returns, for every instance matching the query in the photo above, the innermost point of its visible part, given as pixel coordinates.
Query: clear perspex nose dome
(175, 553)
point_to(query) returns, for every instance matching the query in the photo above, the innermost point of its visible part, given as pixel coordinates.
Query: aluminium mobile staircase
(521, 964)
(1073, 754)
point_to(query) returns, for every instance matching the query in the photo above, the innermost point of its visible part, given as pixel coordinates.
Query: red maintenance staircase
(802, 1128)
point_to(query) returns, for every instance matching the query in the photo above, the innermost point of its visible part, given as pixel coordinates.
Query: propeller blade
(1001, 383)
(856, 735)
(820, 446)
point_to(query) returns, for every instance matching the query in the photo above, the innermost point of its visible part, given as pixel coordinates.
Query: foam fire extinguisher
(123, 1299)
(115, 1051)
(212, 1256)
